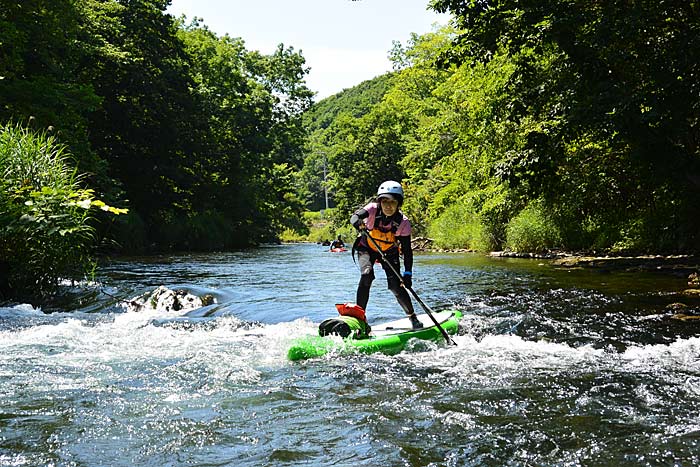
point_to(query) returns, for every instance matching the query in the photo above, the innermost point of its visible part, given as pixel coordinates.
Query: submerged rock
(165, 299)
(208, 299)
(676, 307)
(679, 265)
(694, 279)
(685, 317)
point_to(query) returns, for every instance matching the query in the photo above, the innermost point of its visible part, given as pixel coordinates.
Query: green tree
(142, 129)
(40, 71)
(352, 103)
(607, 88)
(253, 136)
(192, 130)
(364, 153)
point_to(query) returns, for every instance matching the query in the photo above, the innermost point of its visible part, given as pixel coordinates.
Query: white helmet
(391, 189)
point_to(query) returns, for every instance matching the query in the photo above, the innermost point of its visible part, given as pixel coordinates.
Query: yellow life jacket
(384, 236)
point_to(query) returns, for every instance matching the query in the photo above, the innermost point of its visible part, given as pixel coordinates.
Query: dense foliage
(200, 137)
(612, 91)
(323, 121)
(539, 125)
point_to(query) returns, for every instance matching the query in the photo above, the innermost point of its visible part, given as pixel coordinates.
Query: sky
(343, 42)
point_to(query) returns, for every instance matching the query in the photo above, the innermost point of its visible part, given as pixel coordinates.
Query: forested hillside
(354, 102)
(537, 125)
(334, 111)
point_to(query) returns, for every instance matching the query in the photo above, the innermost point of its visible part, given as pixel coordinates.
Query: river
(553, 367)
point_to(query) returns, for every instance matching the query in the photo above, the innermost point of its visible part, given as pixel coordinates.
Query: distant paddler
(337, 243)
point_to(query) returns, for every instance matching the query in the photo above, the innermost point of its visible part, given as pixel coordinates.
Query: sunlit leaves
(609, 75)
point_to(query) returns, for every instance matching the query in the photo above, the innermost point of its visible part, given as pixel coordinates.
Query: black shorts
(367, 258)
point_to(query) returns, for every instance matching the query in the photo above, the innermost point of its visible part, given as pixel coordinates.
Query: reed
(459, 227)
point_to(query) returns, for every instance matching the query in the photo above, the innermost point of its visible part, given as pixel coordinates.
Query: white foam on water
(509, 356)
(682, 354)
(498, 355)
(225, 348)
(78, 283)
(20, 310)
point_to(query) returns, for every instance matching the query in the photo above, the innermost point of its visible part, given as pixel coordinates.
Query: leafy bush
(458, 227)
(289, 235)
(45, 231)
(532, 230)
(319, 227)
(319, 234)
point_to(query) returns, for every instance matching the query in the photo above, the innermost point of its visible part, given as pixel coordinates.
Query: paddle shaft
(427, 309)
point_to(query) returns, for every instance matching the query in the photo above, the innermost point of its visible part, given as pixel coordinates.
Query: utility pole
(325, 182)
(325, 186)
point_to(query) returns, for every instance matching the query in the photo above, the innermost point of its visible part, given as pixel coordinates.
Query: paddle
(427, 309)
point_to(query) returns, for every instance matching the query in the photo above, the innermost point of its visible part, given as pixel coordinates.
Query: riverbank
(671, 264)
(686, 266)
(679, 265)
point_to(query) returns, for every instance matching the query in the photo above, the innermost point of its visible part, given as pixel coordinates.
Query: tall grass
(45, 231)
(459, 227)
(533, 230)
(320, 228)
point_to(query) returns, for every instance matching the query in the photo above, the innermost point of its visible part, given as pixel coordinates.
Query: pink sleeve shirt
(404, 229)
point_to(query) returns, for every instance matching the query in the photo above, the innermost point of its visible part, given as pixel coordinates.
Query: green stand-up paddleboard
(389, 338)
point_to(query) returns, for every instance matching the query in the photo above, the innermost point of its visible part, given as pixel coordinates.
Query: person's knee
(394, 286)
(366, 279)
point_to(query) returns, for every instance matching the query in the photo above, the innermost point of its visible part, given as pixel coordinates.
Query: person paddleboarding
(383, 226)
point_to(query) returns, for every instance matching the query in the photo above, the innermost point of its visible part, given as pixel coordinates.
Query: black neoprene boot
(415, 322)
